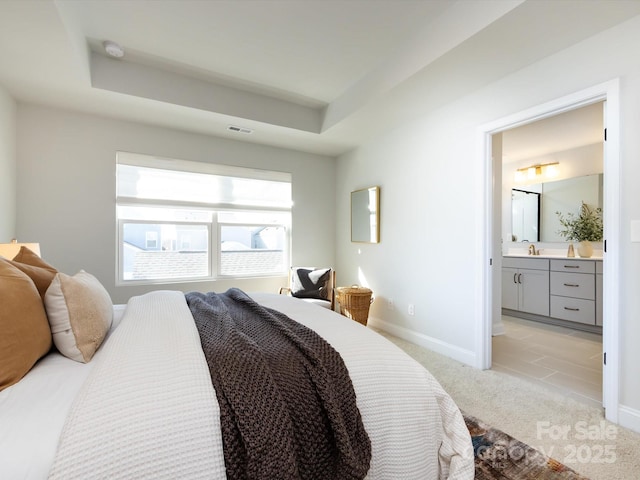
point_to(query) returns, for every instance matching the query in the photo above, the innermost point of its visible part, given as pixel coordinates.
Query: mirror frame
(365, 215)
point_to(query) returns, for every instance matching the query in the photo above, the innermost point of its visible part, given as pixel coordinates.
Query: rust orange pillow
(24, 330)
(38, 270)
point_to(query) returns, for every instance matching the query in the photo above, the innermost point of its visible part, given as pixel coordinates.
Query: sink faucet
(532, 250)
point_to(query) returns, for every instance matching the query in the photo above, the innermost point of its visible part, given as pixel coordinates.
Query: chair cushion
(311, 283)
(317, 301)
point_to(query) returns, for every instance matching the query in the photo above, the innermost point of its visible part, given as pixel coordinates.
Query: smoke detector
(113, 49)
(234, 128)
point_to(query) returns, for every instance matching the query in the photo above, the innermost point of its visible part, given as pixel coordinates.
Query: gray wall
(66, 191)
(7, 168)
(432, 221)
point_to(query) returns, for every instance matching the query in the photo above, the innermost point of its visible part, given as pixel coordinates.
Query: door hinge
(490, 261)
(605, 358)
(605, 246)
(605, 134)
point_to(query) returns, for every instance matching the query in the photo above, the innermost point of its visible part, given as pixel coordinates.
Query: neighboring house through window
(151, 240)
(180, 220)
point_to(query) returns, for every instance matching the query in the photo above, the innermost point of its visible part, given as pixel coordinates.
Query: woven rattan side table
(354, 302)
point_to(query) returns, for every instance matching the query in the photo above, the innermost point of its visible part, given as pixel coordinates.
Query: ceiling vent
(234, 128)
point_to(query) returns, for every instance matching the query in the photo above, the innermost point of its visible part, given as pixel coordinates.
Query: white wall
(66, 191)
(429, 171)
(7, 167)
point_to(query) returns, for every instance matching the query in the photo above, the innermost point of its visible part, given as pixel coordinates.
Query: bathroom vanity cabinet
(573, 290)
(553, 290)
(525, 285)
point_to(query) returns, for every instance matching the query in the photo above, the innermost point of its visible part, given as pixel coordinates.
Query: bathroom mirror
(365, 215)
(564, 196)
(525, 215)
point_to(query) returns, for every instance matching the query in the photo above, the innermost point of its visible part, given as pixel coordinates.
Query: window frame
(214, 226)
(121, 281)
(285, 250)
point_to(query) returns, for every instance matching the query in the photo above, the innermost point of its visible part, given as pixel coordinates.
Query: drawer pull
(572, 266)
(572, 309)
(514, 278)
(571, 285)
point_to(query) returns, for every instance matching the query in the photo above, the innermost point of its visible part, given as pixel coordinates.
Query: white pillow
(80, 313)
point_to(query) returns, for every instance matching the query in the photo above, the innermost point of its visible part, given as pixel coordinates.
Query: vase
(570, 252)
(585, 249)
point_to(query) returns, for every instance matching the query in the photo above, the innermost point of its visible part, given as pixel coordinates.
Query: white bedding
(33, 411)
(415, 428)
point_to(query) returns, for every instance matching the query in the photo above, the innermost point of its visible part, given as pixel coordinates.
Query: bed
(144, 406)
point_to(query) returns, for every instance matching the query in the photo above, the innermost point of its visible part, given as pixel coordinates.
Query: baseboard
(452, 351)
(553, 321)
(629, 418)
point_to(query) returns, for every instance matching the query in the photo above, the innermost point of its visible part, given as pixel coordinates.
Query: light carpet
(573, 433)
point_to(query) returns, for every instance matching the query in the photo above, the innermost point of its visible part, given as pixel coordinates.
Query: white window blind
(194, 183)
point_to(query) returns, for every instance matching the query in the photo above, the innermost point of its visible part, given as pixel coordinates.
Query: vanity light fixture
(549, 170)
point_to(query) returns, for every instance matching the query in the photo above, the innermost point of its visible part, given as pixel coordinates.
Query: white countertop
(551, 256)
(550, 252)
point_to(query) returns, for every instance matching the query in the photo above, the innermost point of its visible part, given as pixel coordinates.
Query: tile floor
(569, 361)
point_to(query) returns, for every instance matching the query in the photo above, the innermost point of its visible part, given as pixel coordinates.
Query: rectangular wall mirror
(534, 207)
(365, 215)
(525, 211)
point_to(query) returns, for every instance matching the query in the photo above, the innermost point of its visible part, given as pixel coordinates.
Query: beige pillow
(80, 314)
(24, 330)
(38, 270)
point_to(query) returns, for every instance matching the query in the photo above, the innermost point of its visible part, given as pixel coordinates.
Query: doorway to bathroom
(551, 165)
(606, 95)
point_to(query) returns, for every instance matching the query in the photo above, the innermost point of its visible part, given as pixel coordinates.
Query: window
(151, 240)
(187, 221)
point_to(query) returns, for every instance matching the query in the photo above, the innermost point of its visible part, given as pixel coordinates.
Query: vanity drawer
(573, 309)
(526, 262)
(577, 285)
(575, 266)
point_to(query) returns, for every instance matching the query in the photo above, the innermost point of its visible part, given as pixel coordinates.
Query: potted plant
(584, 228)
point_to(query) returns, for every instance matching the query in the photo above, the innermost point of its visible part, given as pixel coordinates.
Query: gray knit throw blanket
(287, 406)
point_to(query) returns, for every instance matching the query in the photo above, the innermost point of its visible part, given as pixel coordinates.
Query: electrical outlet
(412, 309)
